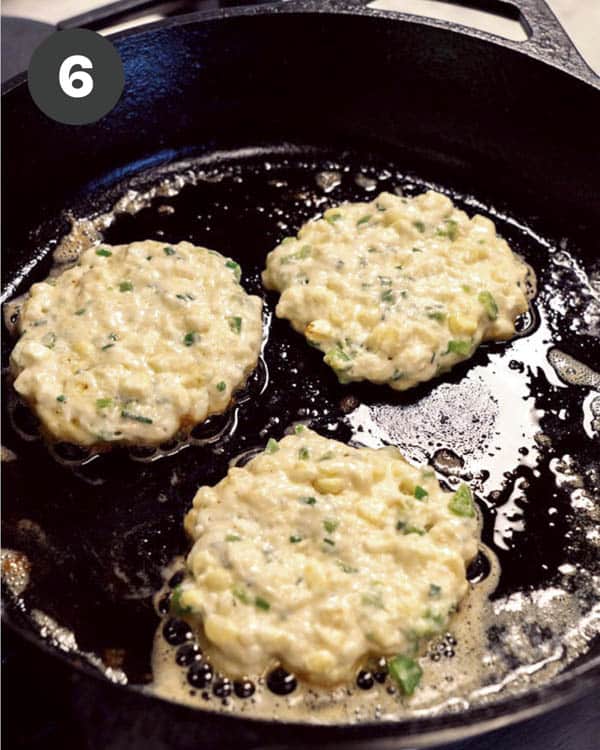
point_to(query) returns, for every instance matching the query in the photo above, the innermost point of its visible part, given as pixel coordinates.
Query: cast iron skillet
(265, 98)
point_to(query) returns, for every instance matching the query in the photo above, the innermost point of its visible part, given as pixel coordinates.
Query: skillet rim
(423, 731)
(580, 70)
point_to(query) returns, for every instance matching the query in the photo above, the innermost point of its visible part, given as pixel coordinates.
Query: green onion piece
(419, 226)
(435, 617)
(346, 568)
(308, 500)
(332, 218)
(106, 346)
(299, 428)
(103, 253)
(434, 590)
(272, 446)
(61, 399)
(301, 254)
(372, 600)
(489, 304)
(103, 403)
(236, 268)
(49, 340)
(364, 220)
(303, 454)
(338, 352)
(241, 595)
(420, 492)
(189, 338)
(262, 603)
(451, 230)
(295, 539)
(406, 528)
(177, 607)
(233, 538)
(80, 311)
(397, 375)
(466, 288)
(221, 386)
(338, 359)
(330, 525)
(168, 250)
(304, 252)
(185, 297)
(459, 347)
(235, 324)
(417, 250)
(406, 672)
(438, 315)
(461, 503)
(330, 542)
(135, 417)
(126, 286)
(326, 456)
(387, 296)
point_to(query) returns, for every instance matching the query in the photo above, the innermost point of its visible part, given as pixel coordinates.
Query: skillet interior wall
(473, 115)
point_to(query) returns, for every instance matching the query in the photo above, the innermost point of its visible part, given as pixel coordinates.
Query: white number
(66, 78)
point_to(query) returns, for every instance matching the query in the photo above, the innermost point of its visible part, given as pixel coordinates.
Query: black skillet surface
(98, 534)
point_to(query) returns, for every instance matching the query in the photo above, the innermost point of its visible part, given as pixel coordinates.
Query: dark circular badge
(76, 76)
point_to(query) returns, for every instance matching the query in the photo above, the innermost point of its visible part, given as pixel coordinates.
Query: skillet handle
(547, 40)
(128, 10)
(114, 13)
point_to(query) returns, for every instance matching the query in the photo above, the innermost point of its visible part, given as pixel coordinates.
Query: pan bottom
(519, 422)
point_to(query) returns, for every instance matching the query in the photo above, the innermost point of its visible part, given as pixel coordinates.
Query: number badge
(76, 77)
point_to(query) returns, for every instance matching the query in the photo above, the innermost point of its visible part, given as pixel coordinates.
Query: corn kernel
(217, 579)
(318, 330)
(372, 511)
(314, 577)
(321, 661)
(462, 324)
(406, 485)
(368, 317)
(476, 253)
(329, 485)
(220, 630)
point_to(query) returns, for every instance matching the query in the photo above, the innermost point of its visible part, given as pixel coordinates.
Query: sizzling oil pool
(520, 422)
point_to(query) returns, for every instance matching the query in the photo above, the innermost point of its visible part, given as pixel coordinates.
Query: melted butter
(15, 570)
(572, 371)
(502, 647)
